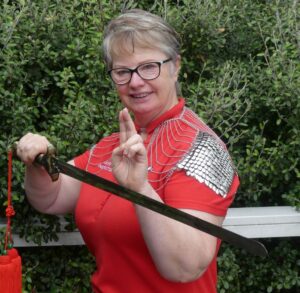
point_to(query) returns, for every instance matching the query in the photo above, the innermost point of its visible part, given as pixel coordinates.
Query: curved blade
(55, 166)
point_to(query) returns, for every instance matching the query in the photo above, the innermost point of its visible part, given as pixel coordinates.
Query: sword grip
(44, 160)
(47, 162)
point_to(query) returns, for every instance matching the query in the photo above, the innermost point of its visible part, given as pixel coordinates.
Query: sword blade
(252, 246)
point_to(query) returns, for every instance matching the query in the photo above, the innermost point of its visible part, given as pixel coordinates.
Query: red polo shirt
(111, 229)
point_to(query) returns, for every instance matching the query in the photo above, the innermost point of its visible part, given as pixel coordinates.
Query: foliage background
(240, 73)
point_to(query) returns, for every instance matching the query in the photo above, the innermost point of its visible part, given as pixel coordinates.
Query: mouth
(140, 96)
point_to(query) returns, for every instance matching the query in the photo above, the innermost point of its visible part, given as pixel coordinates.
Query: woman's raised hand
(129, 159)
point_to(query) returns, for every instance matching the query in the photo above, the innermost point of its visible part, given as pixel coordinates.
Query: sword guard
(48, 162)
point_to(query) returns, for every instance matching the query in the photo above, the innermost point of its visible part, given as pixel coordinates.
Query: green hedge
(240, 73)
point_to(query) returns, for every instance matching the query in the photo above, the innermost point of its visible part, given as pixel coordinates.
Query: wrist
(148, 191)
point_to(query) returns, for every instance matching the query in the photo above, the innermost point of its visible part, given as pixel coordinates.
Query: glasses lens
(120, 75)
(149, 70)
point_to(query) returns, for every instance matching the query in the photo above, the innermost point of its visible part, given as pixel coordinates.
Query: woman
(166, 153)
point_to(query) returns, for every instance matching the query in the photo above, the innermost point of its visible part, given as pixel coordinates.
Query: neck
(144, 119)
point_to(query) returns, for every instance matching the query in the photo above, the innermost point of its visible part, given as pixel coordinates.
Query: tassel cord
(10, 212)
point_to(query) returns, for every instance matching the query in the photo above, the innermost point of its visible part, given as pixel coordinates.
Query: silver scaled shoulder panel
(209, 162)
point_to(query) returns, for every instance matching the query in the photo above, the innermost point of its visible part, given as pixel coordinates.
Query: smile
(141, 95)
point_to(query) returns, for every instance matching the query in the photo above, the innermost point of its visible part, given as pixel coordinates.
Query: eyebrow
(124, 66)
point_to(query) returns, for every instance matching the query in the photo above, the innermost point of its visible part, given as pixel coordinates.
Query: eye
(149, 67)
(121, 72)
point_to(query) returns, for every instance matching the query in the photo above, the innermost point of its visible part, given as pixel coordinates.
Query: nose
(136, 80)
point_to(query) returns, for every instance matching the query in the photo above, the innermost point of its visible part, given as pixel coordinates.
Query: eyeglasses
(147, 71)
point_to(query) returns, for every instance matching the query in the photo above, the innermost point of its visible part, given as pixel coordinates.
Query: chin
(141, 107)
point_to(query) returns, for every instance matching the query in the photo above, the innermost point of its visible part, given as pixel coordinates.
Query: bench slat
(253, 222)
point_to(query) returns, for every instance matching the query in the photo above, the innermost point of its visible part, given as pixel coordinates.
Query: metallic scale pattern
(209, 163)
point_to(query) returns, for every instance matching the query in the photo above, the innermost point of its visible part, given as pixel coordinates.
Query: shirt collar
(174, 111)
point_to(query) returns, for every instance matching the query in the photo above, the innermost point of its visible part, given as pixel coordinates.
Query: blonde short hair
(139, 28)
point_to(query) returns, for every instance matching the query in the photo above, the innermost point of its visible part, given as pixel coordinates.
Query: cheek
(121, 91)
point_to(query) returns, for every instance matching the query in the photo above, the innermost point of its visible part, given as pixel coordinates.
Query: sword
(54, 166)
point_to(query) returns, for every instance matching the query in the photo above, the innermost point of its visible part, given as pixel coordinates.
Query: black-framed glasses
(147, 71)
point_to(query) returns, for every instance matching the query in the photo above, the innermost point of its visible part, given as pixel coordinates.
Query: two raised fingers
(127, 127)
(133, 146)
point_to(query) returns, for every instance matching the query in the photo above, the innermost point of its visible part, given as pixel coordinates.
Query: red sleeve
(82, 160)
(185, 192)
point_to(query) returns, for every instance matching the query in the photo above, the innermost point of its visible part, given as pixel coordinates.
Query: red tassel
(10, 264)
(16, 260)
(10, 278)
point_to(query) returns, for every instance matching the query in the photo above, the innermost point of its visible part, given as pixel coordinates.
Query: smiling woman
(151, 97)
(165, 152)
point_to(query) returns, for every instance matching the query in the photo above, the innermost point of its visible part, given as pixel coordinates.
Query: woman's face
(148, 99)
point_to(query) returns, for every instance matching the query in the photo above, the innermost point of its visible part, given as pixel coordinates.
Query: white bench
(254, 222)
(264, 222)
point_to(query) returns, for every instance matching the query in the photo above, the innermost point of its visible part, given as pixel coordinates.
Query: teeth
(140, 96)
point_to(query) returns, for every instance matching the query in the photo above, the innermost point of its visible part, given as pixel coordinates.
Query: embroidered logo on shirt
(106, 165)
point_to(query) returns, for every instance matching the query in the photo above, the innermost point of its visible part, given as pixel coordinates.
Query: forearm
(41, 191)
(181, 253)
(58, 197)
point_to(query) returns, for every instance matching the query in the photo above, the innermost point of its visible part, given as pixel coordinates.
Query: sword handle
(44, 160)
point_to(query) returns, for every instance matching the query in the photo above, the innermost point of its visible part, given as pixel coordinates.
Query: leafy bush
(57, 270)
(243, 273)
(240, 73)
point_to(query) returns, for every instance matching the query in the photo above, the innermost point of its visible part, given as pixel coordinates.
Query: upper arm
(189, 195)
(186, 192)
(207, 242)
